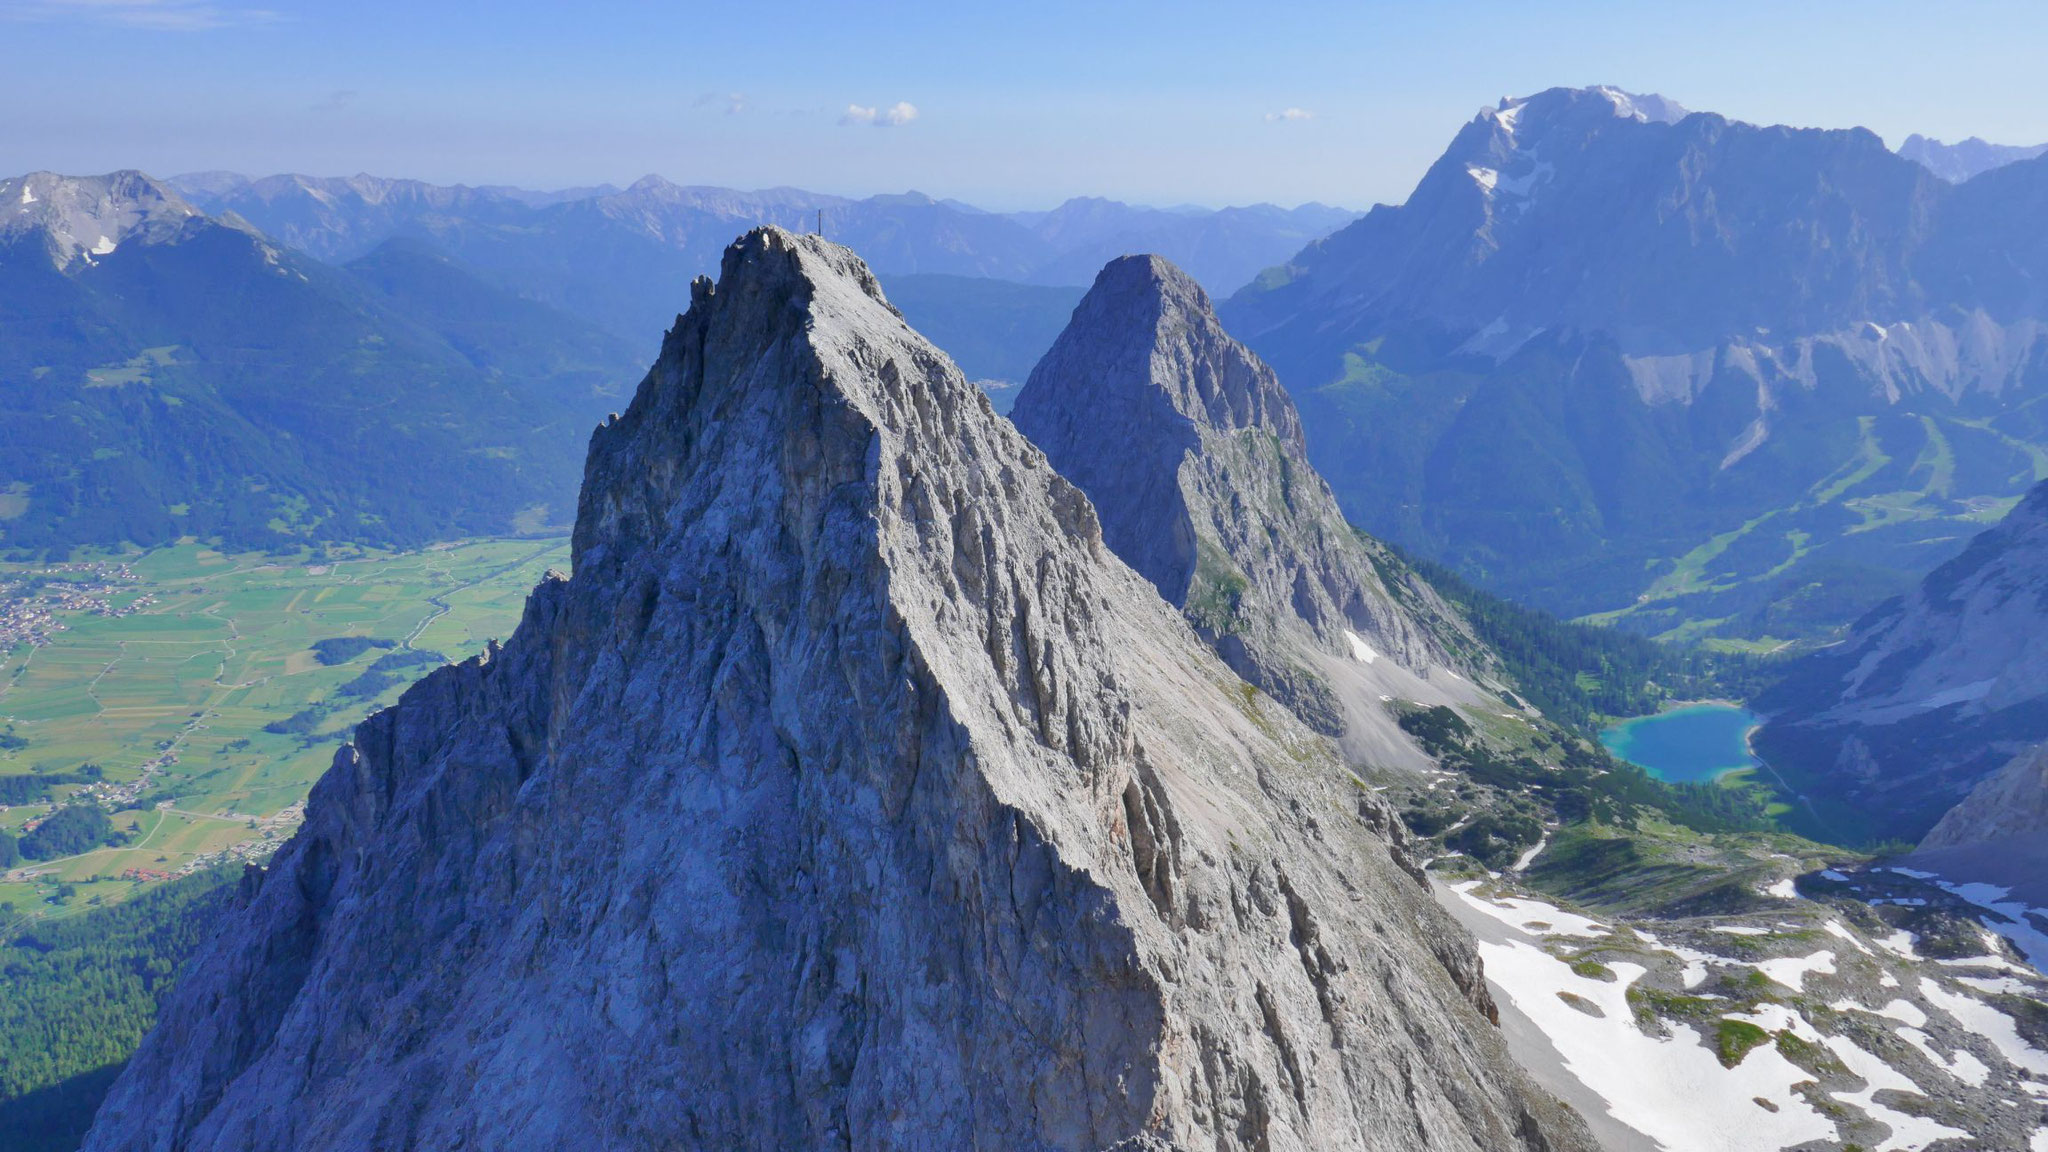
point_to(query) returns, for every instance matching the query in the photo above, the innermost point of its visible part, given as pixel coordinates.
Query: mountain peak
(1211, 380)
(84, 218)
(1195, 459)
(1966, 159)
(1647, 108)
(848, 794)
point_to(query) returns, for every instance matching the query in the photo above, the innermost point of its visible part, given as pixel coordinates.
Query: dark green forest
(1578, 674)
(77, 995)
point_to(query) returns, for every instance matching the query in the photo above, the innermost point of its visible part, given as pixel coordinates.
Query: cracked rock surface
(1195, 459)
(852, 793)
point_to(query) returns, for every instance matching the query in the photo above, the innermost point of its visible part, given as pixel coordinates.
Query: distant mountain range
(1956, 163)
(165, 372)
(1689, 374)
(624, 258)
(389, 361)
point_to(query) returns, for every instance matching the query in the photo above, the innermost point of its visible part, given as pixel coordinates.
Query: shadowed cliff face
(1194, 458)
(1930, 693)
(852, 793)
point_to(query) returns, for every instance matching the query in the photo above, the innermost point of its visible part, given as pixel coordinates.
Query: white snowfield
(1673, 1089)
(2014, 920)
(1531, 916)
(1909, 1133)
(1962, 1065)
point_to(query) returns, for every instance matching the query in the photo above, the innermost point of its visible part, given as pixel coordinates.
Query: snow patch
(105, 246)
(2017, 927)
(1904, 1011)
(1964, 1067)
(1672, 1090)
(1994, 1026)
(1531, 916)
(1782, 889)
(1791, 971)
(1484, 177)
(1694, 973)
(1999, 985)
(1834, 928)
(1909, 1133)
(1960, 695)
(1522, 187)
(1740, 930)
(1360, 650)
(28, 194)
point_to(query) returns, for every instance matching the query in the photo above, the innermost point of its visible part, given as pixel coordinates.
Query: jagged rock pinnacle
(1194, 457)
(850, 794)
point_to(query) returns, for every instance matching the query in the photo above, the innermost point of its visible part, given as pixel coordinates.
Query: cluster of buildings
(32, 598)
(115, 797)
(252, 851)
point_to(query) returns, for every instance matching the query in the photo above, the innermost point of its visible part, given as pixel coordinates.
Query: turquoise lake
(1685, 745)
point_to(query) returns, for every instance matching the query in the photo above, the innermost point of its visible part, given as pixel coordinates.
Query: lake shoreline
(1688, 741)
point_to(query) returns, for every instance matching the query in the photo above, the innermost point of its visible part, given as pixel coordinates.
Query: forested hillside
(76, 996)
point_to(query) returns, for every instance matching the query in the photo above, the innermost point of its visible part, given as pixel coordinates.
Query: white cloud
(1290, 114)
(170, 15)
(734, 103)
(895, 116)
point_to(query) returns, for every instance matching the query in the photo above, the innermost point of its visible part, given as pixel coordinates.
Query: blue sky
(1014, 105)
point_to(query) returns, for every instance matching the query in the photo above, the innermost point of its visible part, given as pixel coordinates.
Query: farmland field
(190, 679)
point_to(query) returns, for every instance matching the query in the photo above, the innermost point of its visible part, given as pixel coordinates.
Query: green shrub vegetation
(367, 685)
(1735, 1039)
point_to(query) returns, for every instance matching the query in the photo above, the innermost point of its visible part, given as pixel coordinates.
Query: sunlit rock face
(852, 793)
(1195, 460)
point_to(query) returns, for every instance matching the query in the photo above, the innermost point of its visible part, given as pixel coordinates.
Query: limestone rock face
(1194, 457)
(2012, 803)
(852, 793)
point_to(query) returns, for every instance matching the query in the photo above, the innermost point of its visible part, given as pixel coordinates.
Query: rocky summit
(1195, 460)
(852, 793)
(1613, 359)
